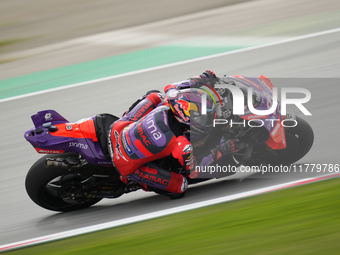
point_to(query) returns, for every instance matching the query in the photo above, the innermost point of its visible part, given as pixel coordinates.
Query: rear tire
(38, 179)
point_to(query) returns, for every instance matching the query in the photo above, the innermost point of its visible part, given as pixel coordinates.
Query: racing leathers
(150, 131)
(145, 134)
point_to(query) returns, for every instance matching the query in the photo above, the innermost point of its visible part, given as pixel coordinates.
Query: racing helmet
(187, 107)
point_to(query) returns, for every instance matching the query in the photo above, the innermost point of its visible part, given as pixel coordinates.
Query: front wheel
(45, 186)
(299, 141)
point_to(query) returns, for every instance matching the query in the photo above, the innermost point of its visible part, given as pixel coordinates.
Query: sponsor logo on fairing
(43, 151)
(78, 145)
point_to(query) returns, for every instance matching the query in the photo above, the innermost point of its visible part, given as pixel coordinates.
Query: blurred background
(37, 35)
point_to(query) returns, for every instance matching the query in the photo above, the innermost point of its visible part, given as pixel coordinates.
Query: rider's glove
(185, 154)
(208, 74)
(226, 147)
(229, 146)
(223, 149)
(208, 77)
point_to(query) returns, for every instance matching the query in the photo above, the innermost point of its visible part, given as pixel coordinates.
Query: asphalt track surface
(21, 219)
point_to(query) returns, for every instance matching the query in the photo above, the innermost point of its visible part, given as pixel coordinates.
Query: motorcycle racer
(156, 128)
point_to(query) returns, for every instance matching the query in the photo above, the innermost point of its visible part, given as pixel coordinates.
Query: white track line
(148, 216)
(336, 30)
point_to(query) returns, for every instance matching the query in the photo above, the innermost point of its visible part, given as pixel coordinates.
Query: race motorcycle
(77, 171)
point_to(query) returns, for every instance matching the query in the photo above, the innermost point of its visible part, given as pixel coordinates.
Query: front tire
(42, 189)
(299, 141)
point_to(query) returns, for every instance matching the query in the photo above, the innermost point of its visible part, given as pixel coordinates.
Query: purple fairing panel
(262, 91)
(47, 116)
(42, 138)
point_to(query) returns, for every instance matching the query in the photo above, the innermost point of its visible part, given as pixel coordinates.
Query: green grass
(302, 220)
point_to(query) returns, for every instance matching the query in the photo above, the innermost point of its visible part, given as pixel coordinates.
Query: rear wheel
(47, 186)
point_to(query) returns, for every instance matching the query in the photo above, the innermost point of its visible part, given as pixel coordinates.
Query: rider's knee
(177, 184)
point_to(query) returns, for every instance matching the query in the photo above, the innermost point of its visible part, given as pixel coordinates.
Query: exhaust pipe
(49, 162)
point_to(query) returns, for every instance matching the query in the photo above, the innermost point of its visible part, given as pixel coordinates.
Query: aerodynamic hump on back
(47, 116)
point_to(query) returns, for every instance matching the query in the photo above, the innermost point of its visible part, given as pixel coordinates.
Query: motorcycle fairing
(53, 134)
(85, 129)
(262, 86)
(47, 116)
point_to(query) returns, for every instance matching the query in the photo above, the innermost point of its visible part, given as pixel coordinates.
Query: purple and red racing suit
(148, 132)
